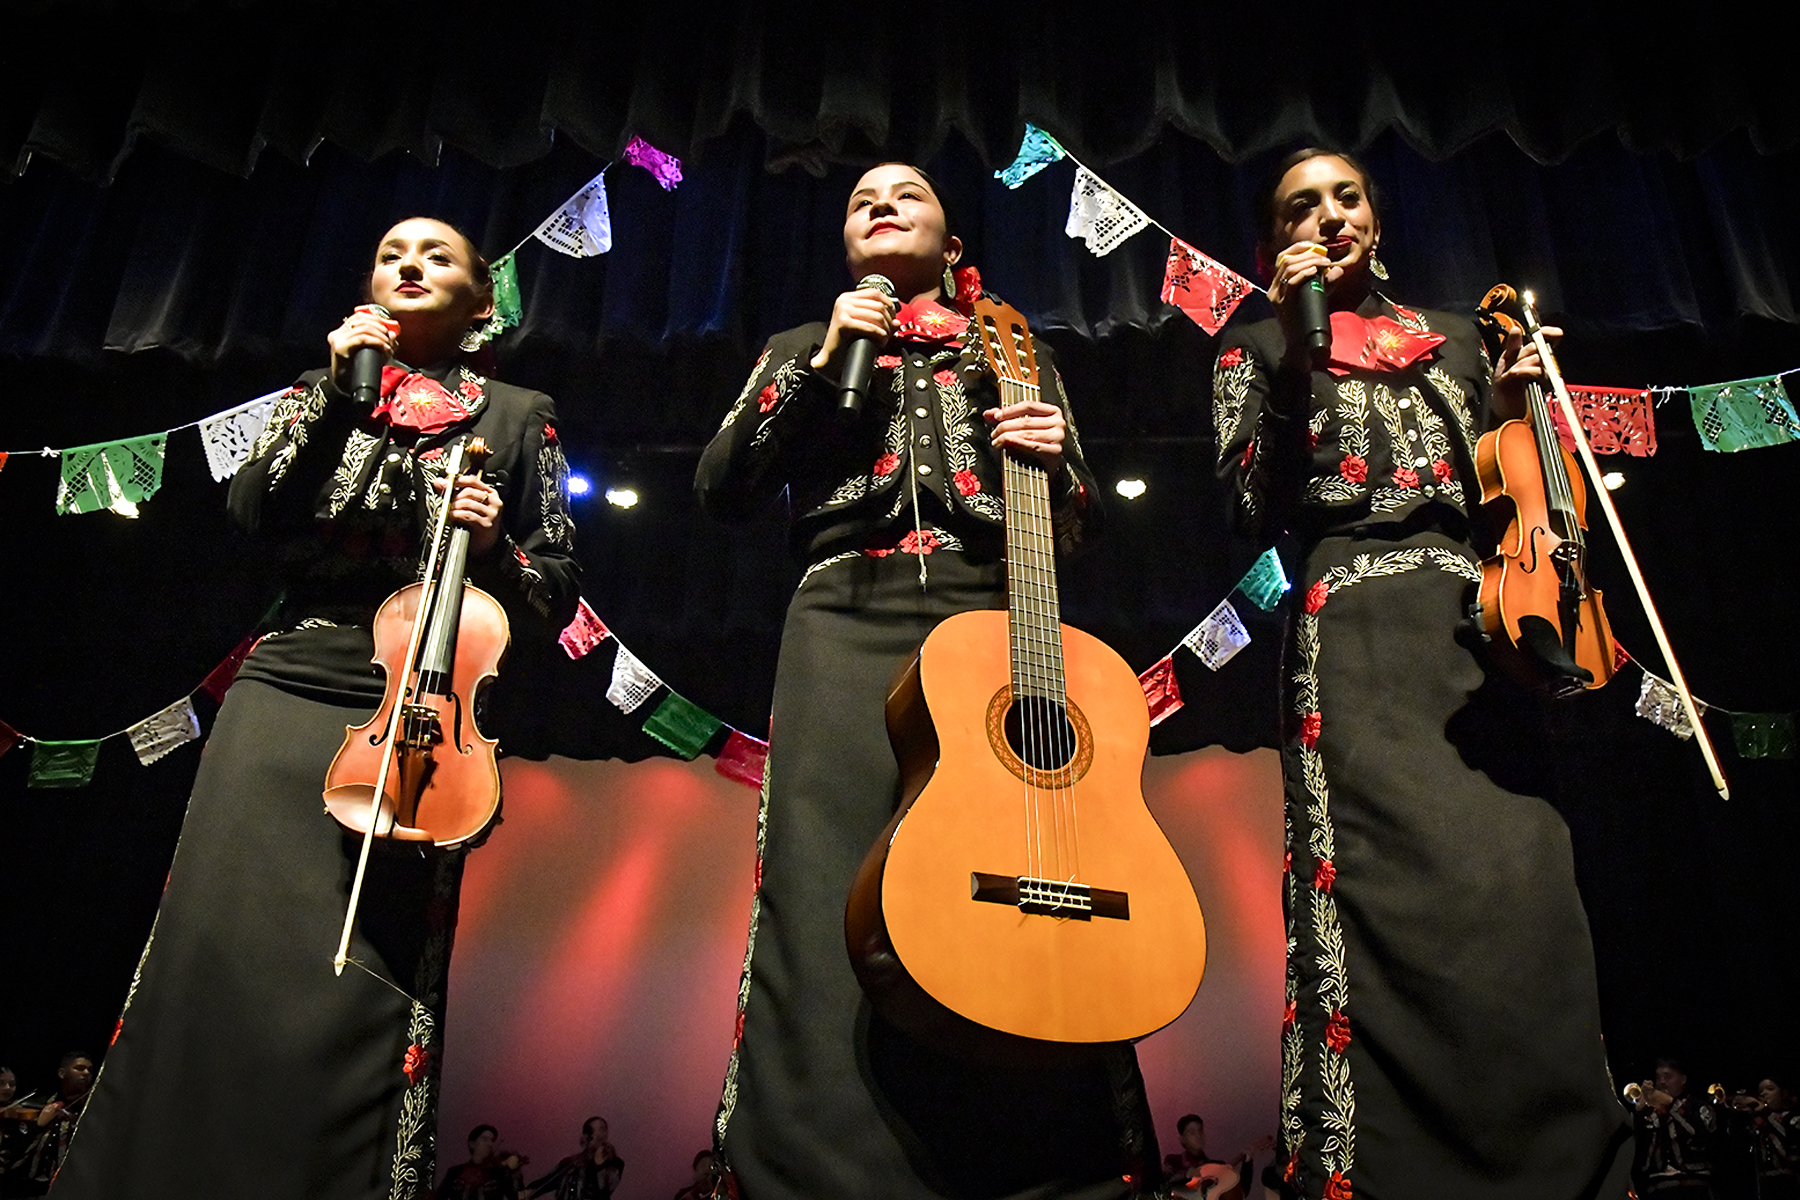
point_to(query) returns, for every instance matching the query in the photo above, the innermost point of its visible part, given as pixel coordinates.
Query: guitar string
(1047, 733)
(1048, 741)
(1034, 837)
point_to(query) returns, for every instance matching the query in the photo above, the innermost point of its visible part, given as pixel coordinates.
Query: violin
(420, 770)
(1570, 626)
(1536, 604)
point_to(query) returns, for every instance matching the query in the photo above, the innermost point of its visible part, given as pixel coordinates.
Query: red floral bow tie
(929, 321)
(1376, 344)
(414, 401)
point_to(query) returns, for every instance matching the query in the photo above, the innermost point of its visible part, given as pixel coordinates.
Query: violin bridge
(1049, 897)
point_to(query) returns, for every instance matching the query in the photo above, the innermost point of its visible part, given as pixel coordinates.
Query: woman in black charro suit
(244, 1067)
(897, 516)
(1441, 1037)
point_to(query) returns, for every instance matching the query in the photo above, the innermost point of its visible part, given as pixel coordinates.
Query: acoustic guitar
(1023, 886)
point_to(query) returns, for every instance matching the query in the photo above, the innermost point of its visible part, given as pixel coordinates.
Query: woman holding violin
(1441, 1036)
(244, 1066)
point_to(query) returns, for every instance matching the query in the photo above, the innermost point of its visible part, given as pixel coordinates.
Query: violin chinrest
(349, 804)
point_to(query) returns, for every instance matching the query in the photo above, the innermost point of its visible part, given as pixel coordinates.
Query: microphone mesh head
(381, 312)
(880, 283)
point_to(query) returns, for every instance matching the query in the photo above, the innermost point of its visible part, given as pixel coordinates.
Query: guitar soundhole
(1043, 742)
(1040, 733)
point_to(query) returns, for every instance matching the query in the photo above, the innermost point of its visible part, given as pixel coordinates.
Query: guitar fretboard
(1035, 616)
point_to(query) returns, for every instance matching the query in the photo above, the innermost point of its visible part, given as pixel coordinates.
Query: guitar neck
(1035, 614)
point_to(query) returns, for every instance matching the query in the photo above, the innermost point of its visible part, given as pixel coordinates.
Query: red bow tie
(414, 401)
(1376, 344)
(928, 321)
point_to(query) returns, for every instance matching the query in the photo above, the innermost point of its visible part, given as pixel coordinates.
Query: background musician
(1677, 1136)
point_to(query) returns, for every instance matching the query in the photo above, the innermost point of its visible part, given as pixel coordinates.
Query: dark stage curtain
(226, 85)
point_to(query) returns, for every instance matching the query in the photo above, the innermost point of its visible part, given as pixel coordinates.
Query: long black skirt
(243, 1067)
(822, 1096)
(1443, 1031)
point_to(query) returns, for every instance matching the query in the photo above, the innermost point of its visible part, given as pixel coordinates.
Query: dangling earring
(477, 337)
(1377, 268)
(949, 284)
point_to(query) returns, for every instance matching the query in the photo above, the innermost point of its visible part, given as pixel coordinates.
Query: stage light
(1612, 481)
(621, 497)
(1131, 489)
(579, 485)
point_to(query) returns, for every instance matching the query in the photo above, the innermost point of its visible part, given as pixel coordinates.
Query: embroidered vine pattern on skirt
(729, 1093)
(1309, 888)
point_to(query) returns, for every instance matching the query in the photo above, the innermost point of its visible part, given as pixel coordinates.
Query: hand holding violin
(476, 505)
(1519, 364)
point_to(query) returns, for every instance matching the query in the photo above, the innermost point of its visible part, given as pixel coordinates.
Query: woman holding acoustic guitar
(897, 515)
(243, 1066)
(1442, 1034)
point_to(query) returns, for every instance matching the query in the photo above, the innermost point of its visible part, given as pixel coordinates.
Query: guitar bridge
(1049, 897)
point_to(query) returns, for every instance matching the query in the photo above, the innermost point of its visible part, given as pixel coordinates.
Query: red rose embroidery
(1287, 863)
(1293, 1166)
(120, 1027)
(1354, 468)
(1232, 357)
(919, 541)
(1338, 1188)
(1249, 453)
(1406, 477)
(1324, 875)
(418, 1058)
(550, 435)
(1440, 470)
(1316, 596)
(1337, 1036)
(523, 562)
(1287, 1018)
(737, 1034)
(887, 464)
(944, 378)
(758, 884)
(966, 483)
(889, 361)
(469, 389)
(1309, 729)
(1312, 439)
(766, 399)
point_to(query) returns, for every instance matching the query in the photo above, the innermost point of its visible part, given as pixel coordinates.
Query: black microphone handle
(365, 367)
(858, 365)
(859, 356)
(1315, 320)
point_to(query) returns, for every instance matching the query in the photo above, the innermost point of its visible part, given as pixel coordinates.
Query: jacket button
(924, 468)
